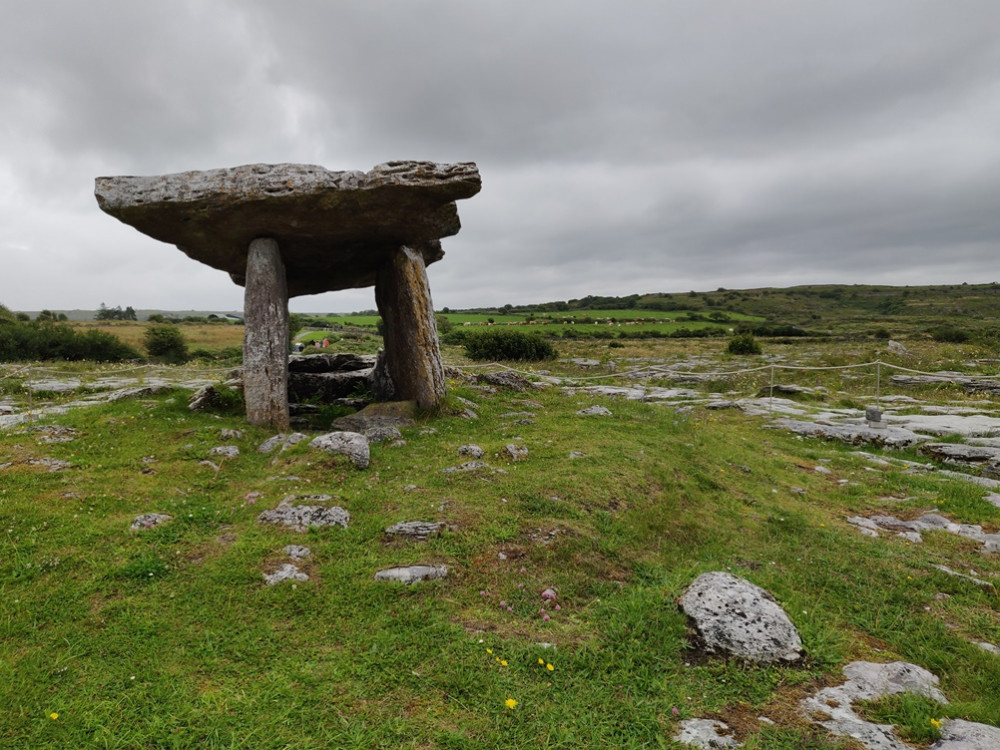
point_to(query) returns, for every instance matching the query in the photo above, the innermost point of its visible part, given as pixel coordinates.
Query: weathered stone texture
(265, 341)
(413, 356)
(335, 229)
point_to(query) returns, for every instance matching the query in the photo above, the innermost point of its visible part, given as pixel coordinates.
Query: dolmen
(282, 230)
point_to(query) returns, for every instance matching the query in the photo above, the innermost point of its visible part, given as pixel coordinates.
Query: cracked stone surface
(418, 530)
(286, 572)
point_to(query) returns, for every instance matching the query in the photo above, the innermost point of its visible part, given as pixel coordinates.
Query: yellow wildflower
(510, 703)
(503, 662)
(53, 715)
(489, 651)
(541, 661)
(935, 723)
(549, 667)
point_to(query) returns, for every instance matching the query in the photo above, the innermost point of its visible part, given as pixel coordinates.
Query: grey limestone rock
(350, 444)
(599, 411)
(470, 449)
(297, 551)
(467, 466)
(412, 573)
(281, 440)
(335, 229)
(889, 436)
(832, 707)
(225, 451)
(204, 398)
(339, 362)
(302, 517)
(705, 733)
(515, 452)
(418, 530)
(736, 617)
(286, 572)
(959, 734)
(149, 520)
(504, 379)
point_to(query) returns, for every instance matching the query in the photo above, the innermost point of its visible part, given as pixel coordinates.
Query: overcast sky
(625, 146)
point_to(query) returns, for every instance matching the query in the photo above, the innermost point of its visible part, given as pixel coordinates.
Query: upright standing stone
(265, 341)
(413, 356)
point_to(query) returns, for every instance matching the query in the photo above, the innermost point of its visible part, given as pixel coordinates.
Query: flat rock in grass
(417, 530)
(504, 379)
(412, 573)
(467, 466)
(960, 453)
(471, 450)
(281, 440)
(888, 437)
(515, 452)
(595, 411)
(286, 572)
(297, 551)
(350, 444)
(990, 648)
(230, 434)
(382, 434)
(705, 733)
(304, 517)
(149, 520)
(735, 617)
(833, 709)
(395, 414)
(959, 734)
(225, 451)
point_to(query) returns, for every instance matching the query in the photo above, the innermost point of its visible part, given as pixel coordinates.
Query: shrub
(508, 344)
(21, 341)
(743, 343)
(950, 334)
(166, 342)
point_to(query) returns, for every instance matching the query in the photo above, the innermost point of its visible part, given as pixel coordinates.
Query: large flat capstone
(335, 229)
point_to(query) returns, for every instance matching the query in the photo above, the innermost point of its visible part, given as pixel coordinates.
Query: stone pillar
(265, 339)
(413, 356)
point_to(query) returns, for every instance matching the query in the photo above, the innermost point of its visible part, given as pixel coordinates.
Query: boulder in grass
(350, 444)
(735, 617)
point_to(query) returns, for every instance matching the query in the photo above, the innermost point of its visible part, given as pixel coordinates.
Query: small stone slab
(515, 452)
(149, 520)
(472, 450)
(595, 411)
(412, 574)
(303, 517)
(286, 572)
(378, 415)
(504, 379)
(335, 229)
(705, 733)
(350, 444)
(418, 530)
(736, 617)
(467, 466)
(297, 551)
(281, 440)
(225, 451)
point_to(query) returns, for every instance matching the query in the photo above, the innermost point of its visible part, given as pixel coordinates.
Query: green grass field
(170, 639)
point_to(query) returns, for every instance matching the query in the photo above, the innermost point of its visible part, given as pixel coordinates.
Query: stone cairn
(282, 230)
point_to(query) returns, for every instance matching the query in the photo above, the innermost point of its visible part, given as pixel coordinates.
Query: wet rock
(734, 616)
(412, 573)
(350, 444)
